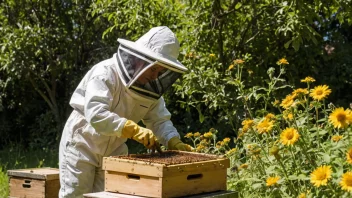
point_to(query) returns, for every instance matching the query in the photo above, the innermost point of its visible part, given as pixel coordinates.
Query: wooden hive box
(171, 174)
(34, 183)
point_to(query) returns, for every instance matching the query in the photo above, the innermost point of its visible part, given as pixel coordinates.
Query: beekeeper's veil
(159, 48)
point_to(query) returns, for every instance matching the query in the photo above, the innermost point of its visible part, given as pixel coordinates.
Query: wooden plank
(200, 182)
(202, 154)
(23, 187)
(36, 173)
(217, 194)
(187, 168)
(132, 167)
(132, 184)
(52, 188)
(108, 195)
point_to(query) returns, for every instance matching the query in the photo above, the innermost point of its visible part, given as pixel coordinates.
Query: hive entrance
(169, 157)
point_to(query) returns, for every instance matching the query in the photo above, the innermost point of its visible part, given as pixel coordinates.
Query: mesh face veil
(144, 74)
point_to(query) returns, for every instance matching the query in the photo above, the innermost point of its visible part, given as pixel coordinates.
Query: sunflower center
(341, 117)
(321, 176)
(319, 92)
(348, 181)
(289, 135)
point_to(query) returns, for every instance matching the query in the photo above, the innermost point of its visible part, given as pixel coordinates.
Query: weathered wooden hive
(34, 182)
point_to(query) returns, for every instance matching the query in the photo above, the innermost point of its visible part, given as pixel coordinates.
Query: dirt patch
(169, 157)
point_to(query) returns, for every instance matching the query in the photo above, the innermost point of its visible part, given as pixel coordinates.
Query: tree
(48, 45)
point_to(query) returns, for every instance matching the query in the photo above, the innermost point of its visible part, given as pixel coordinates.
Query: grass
(17, 157)
(4, 187)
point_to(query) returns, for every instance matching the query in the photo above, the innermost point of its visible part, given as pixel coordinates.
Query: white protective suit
(105, 99)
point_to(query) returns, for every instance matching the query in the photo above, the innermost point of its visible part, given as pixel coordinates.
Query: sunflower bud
(275, 152)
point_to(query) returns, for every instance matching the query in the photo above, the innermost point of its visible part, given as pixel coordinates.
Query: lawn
(19, 158)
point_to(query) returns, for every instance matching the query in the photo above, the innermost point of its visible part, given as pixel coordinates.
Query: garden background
(268, 84)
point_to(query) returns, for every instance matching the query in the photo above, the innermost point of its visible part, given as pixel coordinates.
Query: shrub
(300, 149)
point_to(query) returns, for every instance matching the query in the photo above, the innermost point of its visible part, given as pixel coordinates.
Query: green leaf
(296, 44)
(238, 5)
(287, 44)
(257, 185)
(326, 157)
(322, 132)
(201, 116)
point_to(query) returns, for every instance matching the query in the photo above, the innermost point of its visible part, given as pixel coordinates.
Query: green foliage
(47, 46)
(4, 187)
(305, 148)
(19, 157)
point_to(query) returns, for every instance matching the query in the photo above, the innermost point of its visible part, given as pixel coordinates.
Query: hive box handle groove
(134, 177)
(194, 176)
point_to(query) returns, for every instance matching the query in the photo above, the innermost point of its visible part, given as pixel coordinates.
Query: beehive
(171, 174)
(34, 183)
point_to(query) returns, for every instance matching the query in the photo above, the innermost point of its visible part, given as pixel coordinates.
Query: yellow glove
(176, 144)
(142, 135)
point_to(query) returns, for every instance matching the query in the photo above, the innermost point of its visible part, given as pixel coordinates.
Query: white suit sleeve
(98, 100)
(158, 120)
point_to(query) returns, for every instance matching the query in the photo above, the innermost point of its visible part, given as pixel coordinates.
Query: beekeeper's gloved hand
(176, 144)
(142, 135)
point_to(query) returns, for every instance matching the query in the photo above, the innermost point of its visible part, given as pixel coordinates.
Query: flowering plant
(300, 149)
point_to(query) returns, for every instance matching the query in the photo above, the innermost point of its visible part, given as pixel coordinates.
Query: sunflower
(288, 101)
(231, 67)
(287, 115)
(265, 126)
(320, 176)
(320, 92)
(282, 61)
(196, 134)
(300, 91)
(276, 102)
(349, 156)
(340, 118)
(271, 181)
(308, 79)
(270, 116)
(211, 55)
(302, 195)
(189, 135)
(247, 124)
(232, 151)
(208, 134)
(346, 182)
(200, 148)
(289, 136)
(336, 138)
(238, 61)
(226, 140)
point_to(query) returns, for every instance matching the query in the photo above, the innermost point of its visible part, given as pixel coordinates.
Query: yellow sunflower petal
(289, 136)
(271, 181)
(320, 176)
(320, 92)
(340, 118)
(346, 182)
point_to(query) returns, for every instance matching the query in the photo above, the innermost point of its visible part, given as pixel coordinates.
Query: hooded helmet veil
(159, 47)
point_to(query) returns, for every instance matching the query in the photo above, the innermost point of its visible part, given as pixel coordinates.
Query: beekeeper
(108, 103)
